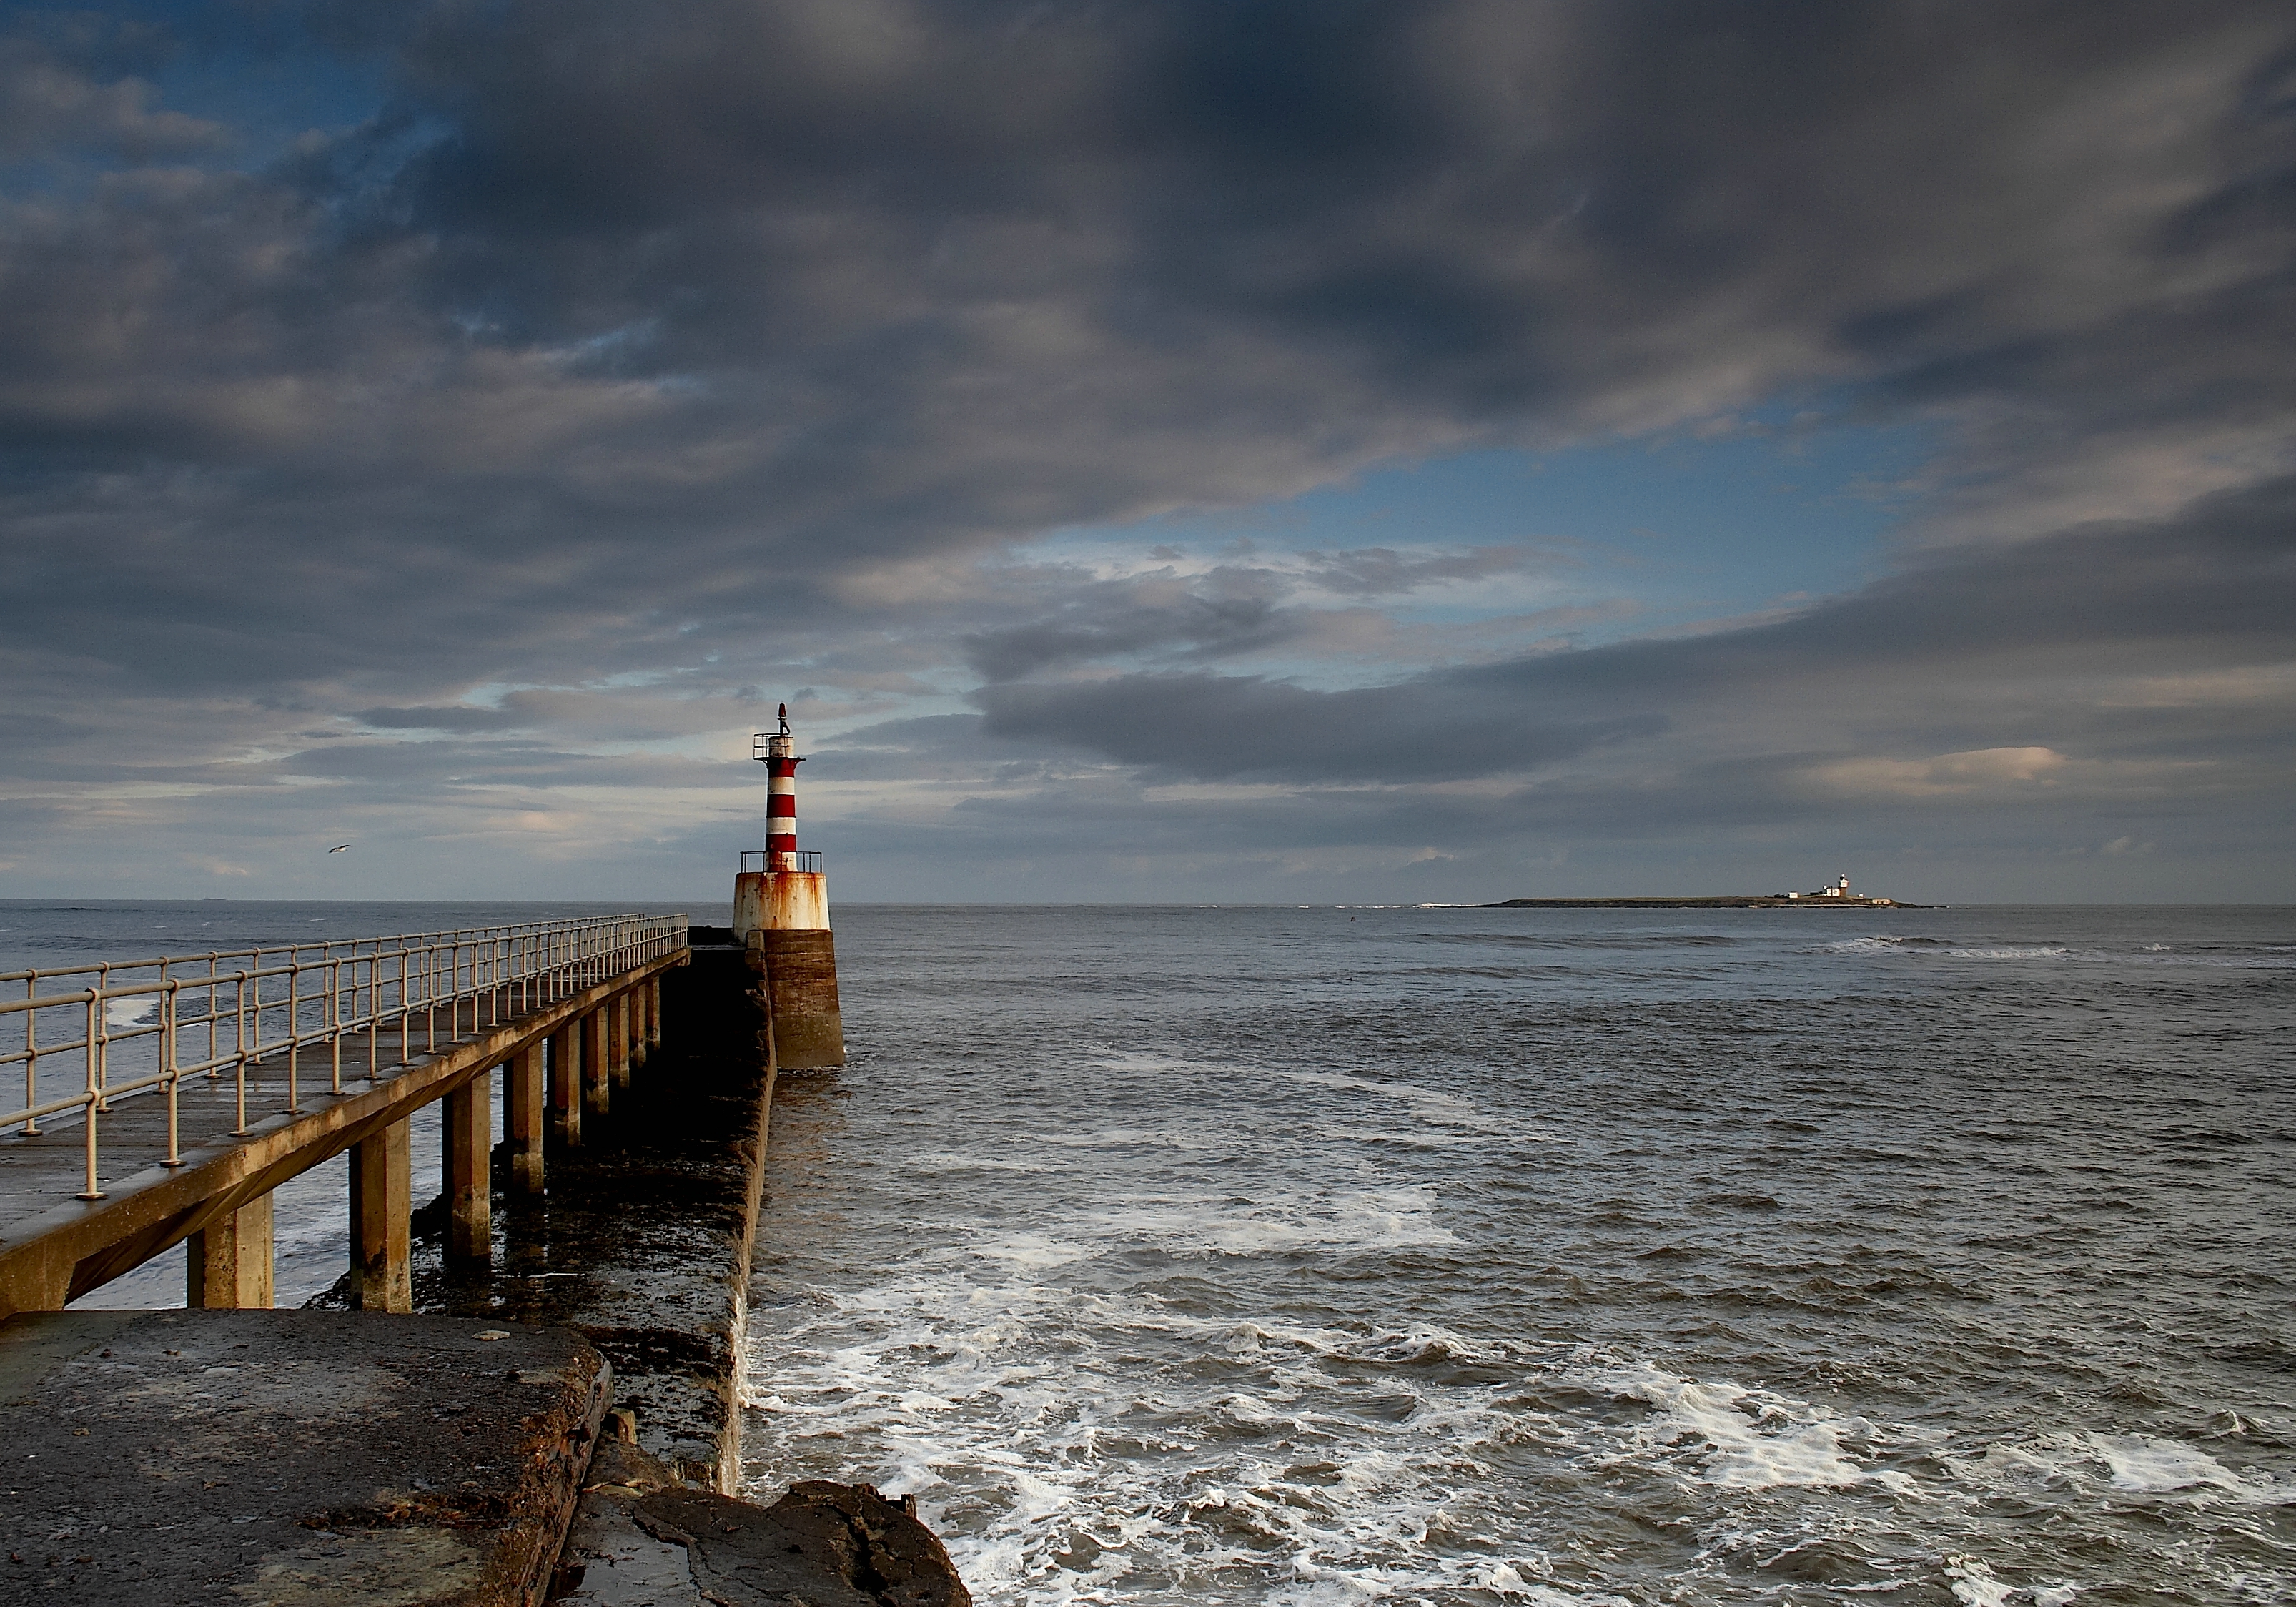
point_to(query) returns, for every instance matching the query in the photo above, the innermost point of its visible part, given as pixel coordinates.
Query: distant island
(1837, 897)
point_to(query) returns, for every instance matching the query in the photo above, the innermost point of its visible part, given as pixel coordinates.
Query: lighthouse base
(802, 983)
(781, 917)
(780, 901)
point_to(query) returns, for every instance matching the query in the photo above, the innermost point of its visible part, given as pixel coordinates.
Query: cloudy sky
(1228, 450)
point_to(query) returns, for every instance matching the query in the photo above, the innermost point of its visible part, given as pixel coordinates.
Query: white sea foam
(1426, 1104)
(1754, 1440)
(1938, 948)
(1975, 1586)
(2160, 1466)
(968, 1160)
(2135, 1464)
(130, 1012)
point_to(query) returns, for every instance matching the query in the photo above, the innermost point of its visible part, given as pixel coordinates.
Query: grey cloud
(1215, 728)
(1995, 649)
(1226, 612)
(454, 718)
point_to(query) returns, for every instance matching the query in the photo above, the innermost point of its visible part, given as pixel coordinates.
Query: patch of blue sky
(1637, 537)
(257, 72)
(265, 76)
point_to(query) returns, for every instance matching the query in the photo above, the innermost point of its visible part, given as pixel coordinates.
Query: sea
(1329, 1255)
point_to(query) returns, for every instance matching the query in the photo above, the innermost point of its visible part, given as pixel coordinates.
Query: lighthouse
(781, 914)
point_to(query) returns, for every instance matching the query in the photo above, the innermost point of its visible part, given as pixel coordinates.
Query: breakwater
(626, 1273)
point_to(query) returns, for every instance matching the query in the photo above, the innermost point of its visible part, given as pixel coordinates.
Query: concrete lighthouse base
(783, 918)
(801, 980)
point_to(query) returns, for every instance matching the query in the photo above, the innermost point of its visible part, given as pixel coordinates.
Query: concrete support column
(523, 1096)
(469, 1192)
(597, 1069)
(619, 1028)
(228, 1262)
(654, 1009)
(566, 1084)
(381, 1201)
(638, 1039)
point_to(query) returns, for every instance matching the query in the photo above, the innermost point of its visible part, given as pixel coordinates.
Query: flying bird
(338, 848)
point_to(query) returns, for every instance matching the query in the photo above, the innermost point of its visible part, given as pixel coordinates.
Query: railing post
(381, 1201)
(31, 1127)
(168, 1063)
(294, 1036)
(94, 1052)
(470, 1133)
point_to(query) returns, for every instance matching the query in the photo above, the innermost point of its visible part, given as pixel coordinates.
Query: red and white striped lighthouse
(781, 914)
(781, 796)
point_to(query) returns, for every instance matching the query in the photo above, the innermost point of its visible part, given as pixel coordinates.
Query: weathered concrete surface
(640, 1540)
(801, 968)
(641, 1242)
(290, 1457)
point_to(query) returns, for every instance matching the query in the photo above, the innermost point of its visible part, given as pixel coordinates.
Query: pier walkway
(163, 1100)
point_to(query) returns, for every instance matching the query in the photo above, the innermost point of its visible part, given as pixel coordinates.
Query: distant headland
(1836, 896)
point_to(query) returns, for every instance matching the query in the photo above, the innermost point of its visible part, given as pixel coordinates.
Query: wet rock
(641, 1537)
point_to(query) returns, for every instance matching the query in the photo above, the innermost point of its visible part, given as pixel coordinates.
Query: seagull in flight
(338, 848)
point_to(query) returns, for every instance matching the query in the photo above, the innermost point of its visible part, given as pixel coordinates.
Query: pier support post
(228, 1262)
(639, 1041)
(381, 1201)
(522, 1105)
(566, 1084)
(597, 1074)
(653, 1011)
(470, 1133)
(618, 1026)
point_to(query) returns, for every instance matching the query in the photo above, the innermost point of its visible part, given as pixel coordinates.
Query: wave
(1603, 940)
(1939, 947)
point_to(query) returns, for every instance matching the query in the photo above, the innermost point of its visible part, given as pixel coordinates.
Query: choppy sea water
(1326, 1255)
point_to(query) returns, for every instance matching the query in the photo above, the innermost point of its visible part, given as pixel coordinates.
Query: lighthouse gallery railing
(141, 1027)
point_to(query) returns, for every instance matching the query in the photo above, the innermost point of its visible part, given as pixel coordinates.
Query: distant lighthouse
(781, 913)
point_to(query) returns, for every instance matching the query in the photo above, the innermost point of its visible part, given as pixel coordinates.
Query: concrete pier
(183, 1458)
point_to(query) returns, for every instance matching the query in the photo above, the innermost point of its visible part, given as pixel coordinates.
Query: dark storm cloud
(704, 349)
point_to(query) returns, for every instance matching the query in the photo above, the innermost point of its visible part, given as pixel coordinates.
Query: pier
(165, 1099)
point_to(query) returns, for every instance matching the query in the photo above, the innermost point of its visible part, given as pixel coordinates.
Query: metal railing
(145, 1026)
(802, 859)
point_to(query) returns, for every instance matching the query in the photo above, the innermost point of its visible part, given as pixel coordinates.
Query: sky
(1223, 451)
